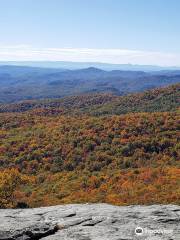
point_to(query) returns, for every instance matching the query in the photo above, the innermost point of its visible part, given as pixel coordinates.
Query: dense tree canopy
(130, 158)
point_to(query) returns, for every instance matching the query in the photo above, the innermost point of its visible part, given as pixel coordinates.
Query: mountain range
(80, 65)
(25, 83)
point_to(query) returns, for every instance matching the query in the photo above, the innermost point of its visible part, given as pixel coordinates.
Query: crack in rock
(93, 222)
(72, 223)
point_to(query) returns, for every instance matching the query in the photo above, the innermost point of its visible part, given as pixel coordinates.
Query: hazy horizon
(86, 62)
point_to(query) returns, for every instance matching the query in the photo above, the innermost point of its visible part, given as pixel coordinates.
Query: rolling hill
(159, 99)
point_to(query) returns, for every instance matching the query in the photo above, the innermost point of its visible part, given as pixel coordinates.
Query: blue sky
(117, 31)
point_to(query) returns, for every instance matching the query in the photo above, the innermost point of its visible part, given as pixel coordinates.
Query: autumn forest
(91, 148)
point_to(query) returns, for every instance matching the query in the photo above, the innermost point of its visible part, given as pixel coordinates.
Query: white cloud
(121, 56)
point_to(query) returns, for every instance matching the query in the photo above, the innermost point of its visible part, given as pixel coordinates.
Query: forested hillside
(99, 148)
(159, 99)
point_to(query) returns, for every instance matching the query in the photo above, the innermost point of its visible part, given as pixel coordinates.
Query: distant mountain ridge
(79, 65)
(24, 83)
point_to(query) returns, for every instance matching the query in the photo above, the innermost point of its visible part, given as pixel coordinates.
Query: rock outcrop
(91, 222)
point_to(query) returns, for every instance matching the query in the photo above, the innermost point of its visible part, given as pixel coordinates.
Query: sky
(114, 31)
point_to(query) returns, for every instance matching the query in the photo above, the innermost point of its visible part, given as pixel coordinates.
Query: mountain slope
(160, 99)
(73, 151)
(127, 159)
